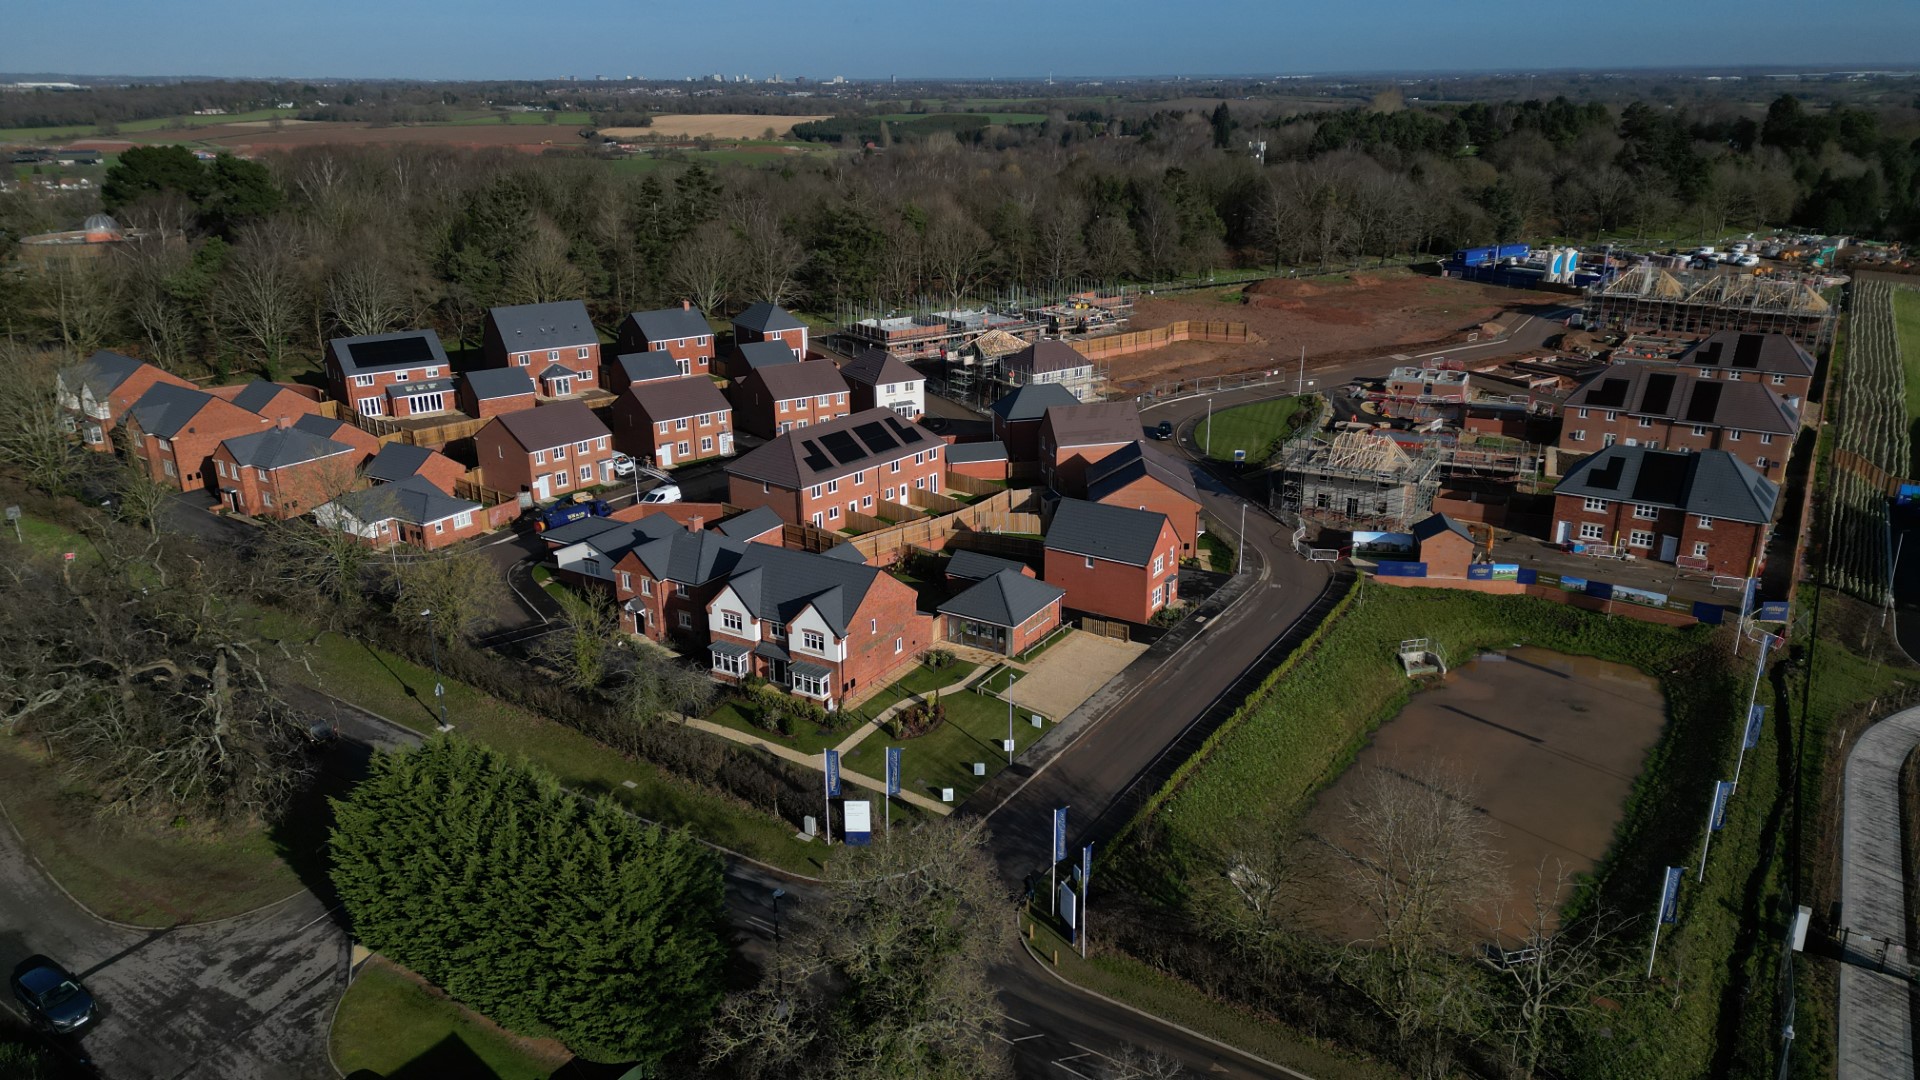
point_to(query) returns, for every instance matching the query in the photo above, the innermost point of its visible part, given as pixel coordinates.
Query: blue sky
(466, 39)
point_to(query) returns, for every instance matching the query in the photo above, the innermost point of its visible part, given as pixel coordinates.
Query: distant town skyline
(862, 39)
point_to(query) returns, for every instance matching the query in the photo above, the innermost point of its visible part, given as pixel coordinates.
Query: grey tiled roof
(413, 500)
(668, 399)
(649, 365)
(323, 426)
(1114, 533)
(962, 453)
(752, 523)
(165, 409)
(100, 372)
(1679, 394)
(669, 324)
(1130, 463)
(561, 324)
(551, 425)
(767, 318)
(973, 566)
(389, 352)
(777, 583)
(1711, 483)
(489, 383)
(277, 448)
(1733, 349)
(874, 367)
(1094, 424)
(682, 555)
(1008, 598)
(755, 355)
(1043, 356)
(397, 461)
(834, 449)
(257, 395)
(1430, 527)
(1032, 401)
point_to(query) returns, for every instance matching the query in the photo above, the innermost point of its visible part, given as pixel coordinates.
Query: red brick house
(667, 576)
(555, 343)
(1113, 561)
(671, 422)
(283, 472)
(412, 512)
(826, 628)
(359, 438)
(1017, 417)
(485, 393)
(753, 355)
(1775, 361)
(980, 460)
(98, 391)
(550, 451)
(1137, 475)
(1672, 408)
(681, 333)
(1073, 437)
(1008, 612)
(879, 381)
(821, 474)
(759, 525)
(278, 403)
(175, 431)
(641, 367)
(399, 461)
(398, 375)
(1445, 546)
(771, 322)
(1708, 511)
(771, 401)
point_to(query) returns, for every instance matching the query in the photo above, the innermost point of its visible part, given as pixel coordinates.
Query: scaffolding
(1358, 480)
(1651, 299)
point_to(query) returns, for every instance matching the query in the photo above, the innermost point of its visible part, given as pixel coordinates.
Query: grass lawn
(1219, 553)
(138, 872)
(922, 679)
(1253, 428)
(133, 127)
(944, 757)
(392, 1024)
(403, 692)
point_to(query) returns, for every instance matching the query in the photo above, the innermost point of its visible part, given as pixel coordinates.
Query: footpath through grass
(390, 1024)
(1258, 429)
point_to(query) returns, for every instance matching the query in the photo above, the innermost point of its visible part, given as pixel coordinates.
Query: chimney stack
(283, 422)
(686, 305)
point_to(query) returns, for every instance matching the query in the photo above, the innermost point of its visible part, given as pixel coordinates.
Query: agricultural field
(713, 126)
(134, 127)
(1873, 425)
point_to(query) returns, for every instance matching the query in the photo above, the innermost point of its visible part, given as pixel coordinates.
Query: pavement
(1876, 1007)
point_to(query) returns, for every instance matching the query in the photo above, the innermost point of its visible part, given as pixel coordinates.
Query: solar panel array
(1705, 403)
(1658, 393)
(392, 352)
(1611, 394)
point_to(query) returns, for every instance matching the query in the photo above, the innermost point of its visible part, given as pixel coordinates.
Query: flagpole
(1086, 889)
(1753, 696)
(1713, 805)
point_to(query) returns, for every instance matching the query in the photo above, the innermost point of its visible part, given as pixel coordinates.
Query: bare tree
(702, 266)
(1556, 974)
(81, 303)
(657, 684)
(541, 272)
(138, 499)
(1111, 251)
(957, 252)
(770, 259)
(582, 647)
(36, 432)
(1133, 1063)
(260, 300)
(1060, 251)
(163, 319)
(366, 297)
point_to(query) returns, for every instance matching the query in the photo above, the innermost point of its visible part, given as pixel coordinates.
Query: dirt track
(1347, 318)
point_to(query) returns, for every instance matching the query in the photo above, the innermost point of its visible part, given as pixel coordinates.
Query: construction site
(944, 334)
(1386, 480)
(1648, 299)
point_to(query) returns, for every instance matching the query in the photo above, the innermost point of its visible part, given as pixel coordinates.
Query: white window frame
(1699, 549)
(1640, 538)
(733, 622)
(813, 641)
(1592, 530)
(1702, 521)
(1646, 513)
(1593, 505)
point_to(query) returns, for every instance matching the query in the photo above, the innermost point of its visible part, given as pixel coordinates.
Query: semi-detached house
(1138, 476)
(682, 333)
(396, 375)
(283, 472)
(174, 432)
(97, 392)
(1073, 437)
(555, 344)
(671, 422)
(1663, 407)
(411, 511)
(771, 401)
(548, 451)
(1707, 510)
(1775, 361)
(819, 475)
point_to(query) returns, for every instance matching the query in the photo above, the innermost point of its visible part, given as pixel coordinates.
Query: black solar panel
(1607, 477)
(1659, 393)
(1710, 354)
(815, 459)
(876, 437)
(1746, 352)
(1662, 479)
(907, 435)
(1611, 393)
(841, 445)
(395, 352)
(1705, 403)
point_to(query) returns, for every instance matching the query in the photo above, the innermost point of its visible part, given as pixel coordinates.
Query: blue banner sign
(833, 774)
(1772, 611)
(1711, 614)
(1059, 834)
(1756, 716)
(1599, 590)
(893, 770)
(1670, 896)
(1722, 794)
(1401, 569)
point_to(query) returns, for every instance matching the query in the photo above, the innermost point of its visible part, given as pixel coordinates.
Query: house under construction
(1358, 480)
(1651, 299)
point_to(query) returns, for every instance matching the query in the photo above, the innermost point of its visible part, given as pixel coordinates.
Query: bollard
(1029, 931)
(1056, 958)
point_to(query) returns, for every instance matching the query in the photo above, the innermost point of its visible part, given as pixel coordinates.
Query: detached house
(667, 574)
(412, 511)
(398, 375)
(821, 474)
(339, 431)
(1136, 475)
(681, 333)
(556, 344)
(1707, 511)
(771, 322)
(175, 431)
(1663, 407)
(771, 401)
(488, 392)
(1017, 417)
(879, 381)
(1073, 437)
(549, 451)
(673, 421)
(98, 391)
(283, 472)
(823, 627)
(1113, 561)
(1054, 362)
(630, 368)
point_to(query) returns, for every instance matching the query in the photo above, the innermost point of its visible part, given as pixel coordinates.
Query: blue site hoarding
(833, 774)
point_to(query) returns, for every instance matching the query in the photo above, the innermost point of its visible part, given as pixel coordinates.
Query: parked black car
(1164, 431)
(52, 995)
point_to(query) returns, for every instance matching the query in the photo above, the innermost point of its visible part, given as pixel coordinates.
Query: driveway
(1069, 673)
(248, 998)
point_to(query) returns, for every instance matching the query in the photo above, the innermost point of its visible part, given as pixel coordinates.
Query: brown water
(1553, 744)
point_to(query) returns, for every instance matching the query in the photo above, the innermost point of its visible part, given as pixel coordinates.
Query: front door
(540, 489)
(666, 454)
(1562, 531)
(1669, 547)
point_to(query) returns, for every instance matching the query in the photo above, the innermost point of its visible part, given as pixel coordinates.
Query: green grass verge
(944, 757)
(1219, 553)
(1255, 428)
(402, 691)
(141, 872)
(392, 1024)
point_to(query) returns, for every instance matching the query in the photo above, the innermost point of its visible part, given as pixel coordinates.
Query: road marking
(1024, 1038)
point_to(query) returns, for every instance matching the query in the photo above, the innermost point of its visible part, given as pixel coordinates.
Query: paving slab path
(812, 762)
(1876, 1007)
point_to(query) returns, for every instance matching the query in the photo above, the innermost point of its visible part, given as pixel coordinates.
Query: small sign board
(13, 513)
(979, 768)
(946, 794)
(1069, 909)
(1006, 746)
(68, 556)
(1756, 718)
(858, 830)
(1772, 611)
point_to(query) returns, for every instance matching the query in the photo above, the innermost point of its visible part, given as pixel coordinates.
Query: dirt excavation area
(1349, 317)
(1547, 745)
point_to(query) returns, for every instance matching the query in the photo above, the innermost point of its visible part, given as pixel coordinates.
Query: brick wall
(1148, 493)
(1730, 545)
(1766, 452)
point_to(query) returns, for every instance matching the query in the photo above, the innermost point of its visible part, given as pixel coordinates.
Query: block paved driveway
(248, 998)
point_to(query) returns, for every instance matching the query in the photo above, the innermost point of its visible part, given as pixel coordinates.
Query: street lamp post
(439, 688)
(1208, 449)
(1240, 553)
(777, 894)
(1010, 678)
(1302, 387)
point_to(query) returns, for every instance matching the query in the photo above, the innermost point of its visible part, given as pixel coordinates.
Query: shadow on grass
(426, 707)
(299, 837)
(447, 1058)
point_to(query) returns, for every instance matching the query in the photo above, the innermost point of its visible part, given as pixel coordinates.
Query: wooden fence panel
(973, 485)
(936, 502)
(1142, 340)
